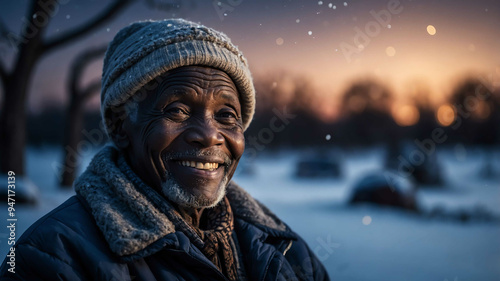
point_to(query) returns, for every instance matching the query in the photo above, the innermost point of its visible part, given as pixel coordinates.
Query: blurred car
(411, 160)
(317, 168)
(385, 188)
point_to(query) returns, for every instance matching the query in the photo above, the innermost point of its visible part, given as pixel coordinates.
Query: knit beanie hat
(145, 50)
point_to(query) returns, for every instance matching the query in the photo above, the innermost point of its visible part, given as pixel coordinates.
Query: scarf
(217, 234)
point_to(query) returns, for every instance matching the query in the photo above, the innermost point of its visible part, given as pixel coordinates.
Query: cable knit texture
(145, 50)
(133, 216)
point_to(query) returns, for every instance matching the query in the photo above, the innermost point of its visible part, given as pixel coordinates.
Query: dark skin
(192, 116)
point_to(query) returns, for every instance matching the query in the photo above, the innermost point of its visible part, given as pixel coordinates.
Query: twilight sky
(404, 44)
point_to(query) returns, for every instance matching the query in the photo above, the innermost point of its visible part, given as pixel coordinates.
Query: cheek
(160, 136)
(236, 141)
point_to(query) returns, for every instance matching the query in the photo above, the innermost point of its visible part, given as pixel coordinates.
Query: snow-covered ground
(354, 243)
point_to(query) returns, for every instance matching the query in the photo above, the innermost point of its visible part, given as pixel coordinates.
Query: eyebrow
(165, 94)
(227, 96)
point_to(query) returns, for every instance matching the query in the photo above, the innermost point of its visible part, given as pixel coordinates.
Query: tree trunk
(74, 126)
(13, 127)
(74, 123)
(13, 118)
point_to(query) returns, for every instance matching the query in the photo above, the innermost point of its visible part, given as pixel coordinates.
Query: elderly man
(159, 204)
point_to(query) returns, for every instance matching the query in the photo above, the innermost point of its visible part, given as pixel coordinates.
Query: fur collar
(132, 219)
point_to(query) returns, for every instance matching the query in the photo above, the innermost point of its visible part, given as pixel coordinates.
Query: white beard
(174, 192)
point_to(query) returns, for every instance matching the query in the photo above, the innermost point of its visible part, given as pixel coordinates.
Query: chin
(180, 195)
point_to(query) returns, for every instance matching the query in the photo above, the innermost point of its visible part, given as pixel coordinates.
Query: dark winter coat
(111, 231)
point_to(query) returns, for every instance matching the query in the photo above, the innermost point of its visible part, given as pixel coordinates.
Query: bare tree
(31, 46)
(366, 96)
(477, 112)
(282, 88)
(365, 110)
(79, 95)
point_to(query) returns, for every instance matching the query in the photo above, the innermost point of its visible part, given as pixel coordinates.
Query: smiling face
(186, 137)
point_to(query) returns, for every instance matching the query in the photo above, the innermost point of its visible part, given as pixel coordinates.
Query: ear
(118, 121)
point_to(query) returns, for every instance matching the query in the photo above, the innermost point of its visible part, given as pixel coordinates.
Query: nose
(204, 134)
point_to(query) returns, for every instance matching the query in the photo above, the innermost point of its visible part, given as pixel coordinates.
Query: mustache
(197, 153)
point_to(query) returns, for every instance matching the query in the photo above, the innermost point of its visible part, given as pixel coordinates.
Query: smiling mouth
(210, 166)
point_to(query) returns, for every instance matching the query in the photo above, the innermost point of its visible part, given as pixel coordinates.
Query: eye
(176, 112)
(227, 116)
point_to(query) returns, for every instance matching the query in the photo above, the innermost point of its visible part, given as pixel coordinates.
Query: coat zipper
(288, 247)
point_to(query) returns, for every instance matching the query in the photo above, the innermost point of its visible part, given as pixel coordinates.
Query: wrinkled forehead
(200, 76)
(193, 78)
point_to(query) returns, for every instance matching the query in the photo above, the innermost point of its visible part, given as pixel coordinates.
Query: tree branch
(78, 67)
(111, 11)
(163, 5)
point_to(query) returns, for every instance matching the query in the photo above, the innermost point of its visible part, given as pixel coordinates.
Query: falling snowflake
(310, 32)
(389, 26)
(345, 4)
(297, 20)
(367, 220)
(328, 137)
(320, 3)
(68, 17)
(330, 5)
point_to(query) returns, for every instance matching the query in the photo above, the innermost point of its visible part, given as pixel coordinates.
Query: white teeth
(199, 165)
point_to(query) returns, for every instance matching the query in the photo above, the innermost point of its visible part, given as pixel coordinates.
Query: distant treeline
(473, 117)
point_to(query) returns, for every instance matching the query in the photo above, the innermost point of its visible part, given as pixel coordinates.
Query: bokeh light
(367, 220)
(405, 115)
(431, 29)
(390, 51)
(482, 110)
(445, 115)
